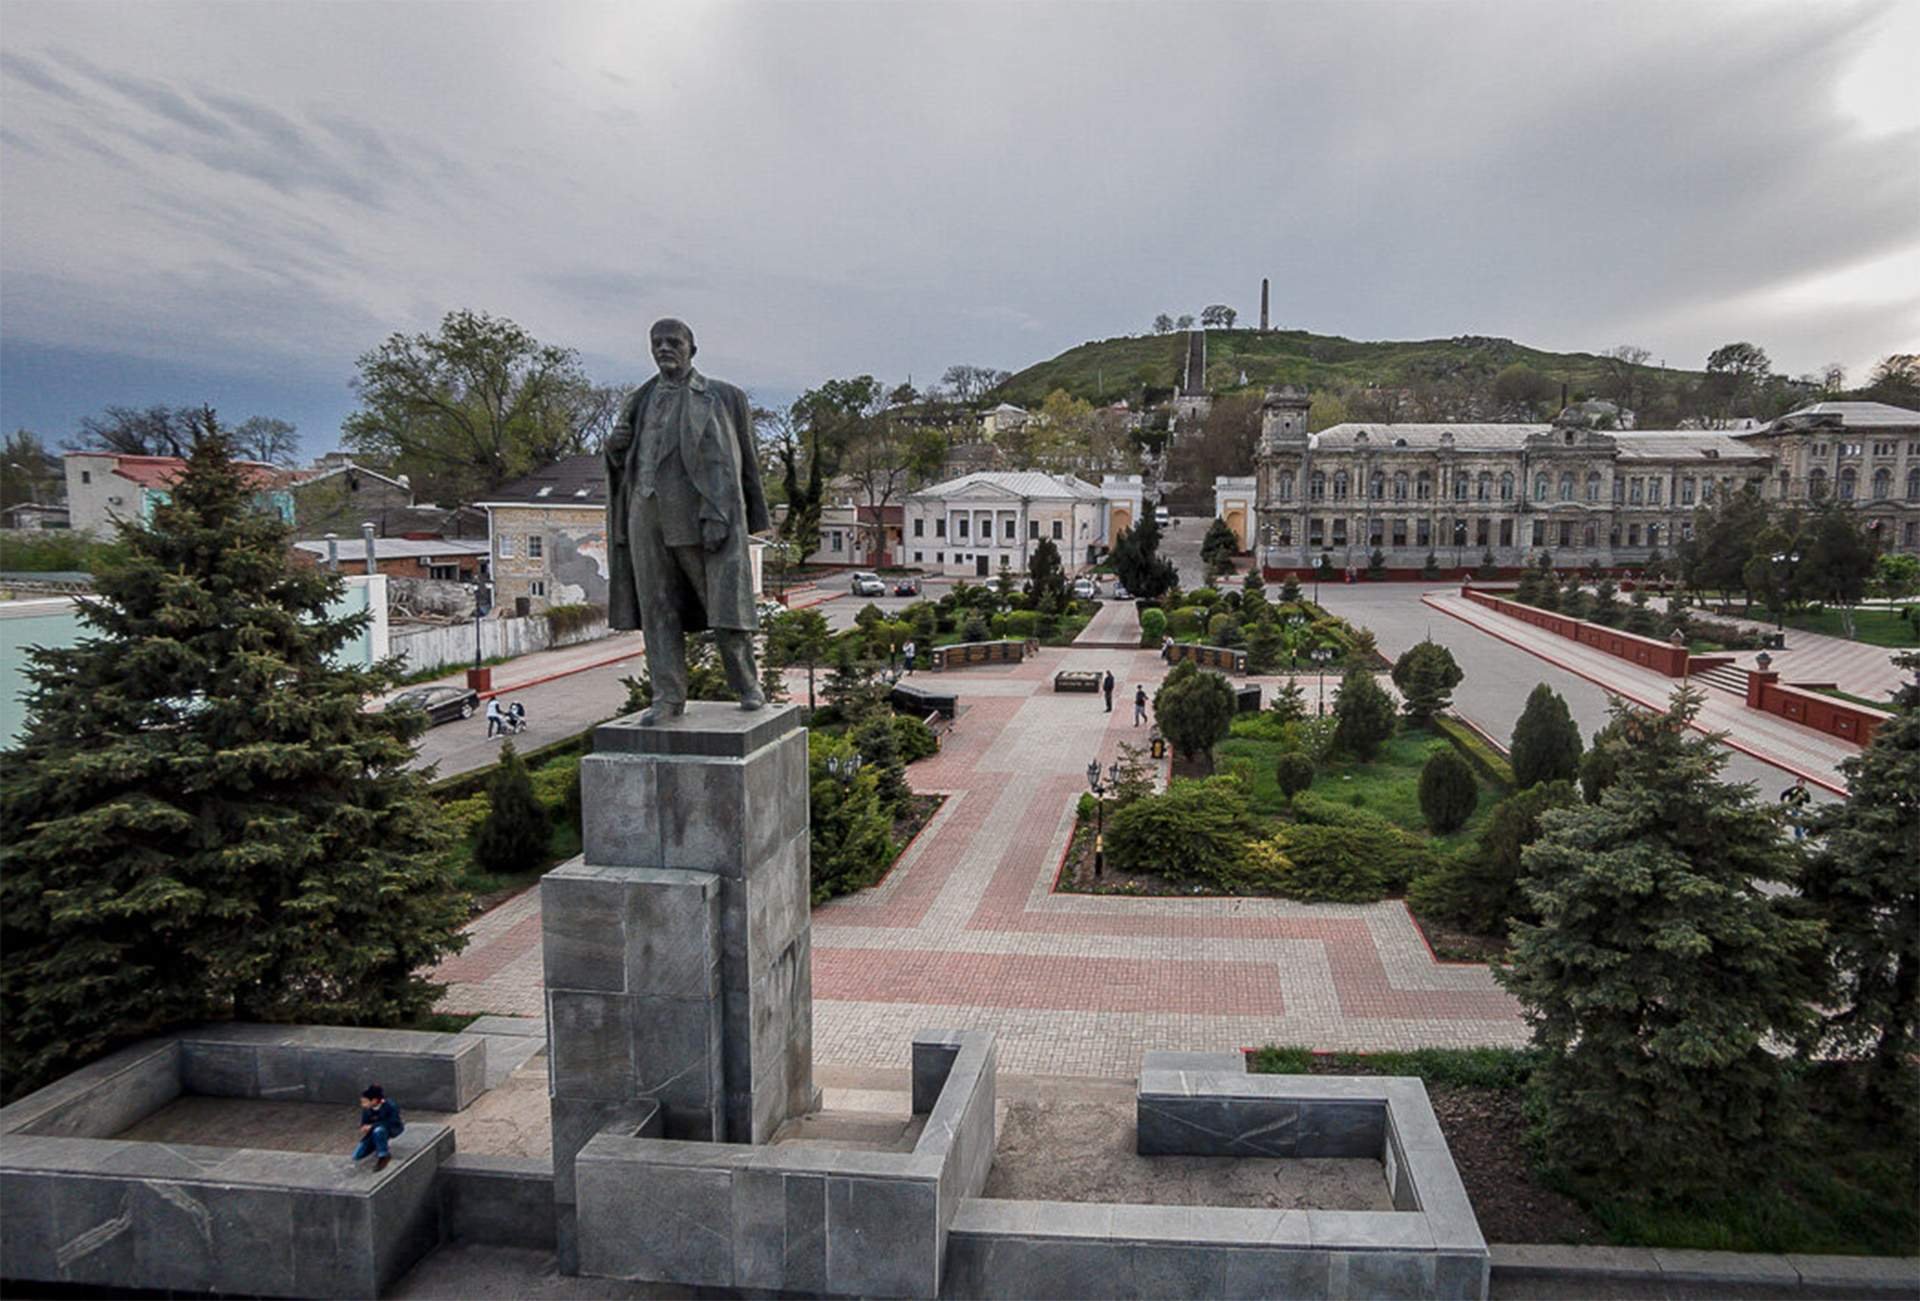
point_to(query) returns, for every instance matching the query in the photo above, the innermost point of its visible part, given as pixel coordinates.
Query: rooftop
(353, 548)
(1015, 483)
(161, 471)
(571, 481)
(1853, 415)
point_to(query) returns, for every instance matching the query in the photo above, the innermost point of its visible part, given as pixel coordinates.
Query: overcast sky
(230, 202)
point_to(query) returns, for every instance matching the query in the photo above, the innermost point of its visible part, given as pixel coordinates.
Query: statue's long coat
(717, 449)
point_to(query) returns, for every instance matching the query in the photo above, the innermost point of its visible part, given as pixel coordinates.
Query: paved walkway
(1116, 624)
(1773, 740)
(966, 930)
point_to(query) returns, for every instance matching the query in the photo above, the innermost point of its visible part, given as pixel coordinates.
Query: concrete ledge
(103, 1097)
(1593, 1269)
(117, 1214)
(301, 1063)
(503, 1201)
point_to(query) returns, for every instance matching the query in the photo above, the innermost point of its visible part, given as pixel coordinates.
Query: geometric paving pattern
(967, 932)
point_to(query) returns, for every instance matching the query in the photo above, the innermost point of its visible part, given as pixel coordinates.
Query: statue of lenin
(683, 493)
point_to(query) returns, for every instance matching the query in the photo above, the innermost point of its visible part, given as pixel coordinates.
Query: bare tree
(158, 430)
(264, 438)
(972, 383)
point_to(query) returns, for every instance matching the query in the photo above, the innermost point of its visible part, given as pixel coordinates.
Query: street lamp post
(1679, 642)
(1320, 655)
(1100, 788)
(1789, 559)
(844, 770)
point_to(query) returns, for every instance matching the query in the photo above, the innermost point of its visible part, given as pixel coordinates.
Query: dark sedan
(907, 587)
(442, 704)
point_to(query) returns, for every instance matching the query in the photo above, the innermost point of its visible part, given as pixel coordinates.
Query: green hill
(1109, 369)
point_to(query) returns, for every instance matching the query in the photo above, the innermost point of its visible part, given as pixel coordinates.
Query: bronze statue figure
(683, 493)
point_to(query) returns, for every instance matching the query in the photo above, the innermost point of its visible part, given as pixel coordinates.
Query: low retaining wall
(86, 1208)
(919, 701)
(1205, 1104)
(841, 1222)
(1829, 714)
(961, 654)
(502, 1201)
(1208, 657)
(1648, 652)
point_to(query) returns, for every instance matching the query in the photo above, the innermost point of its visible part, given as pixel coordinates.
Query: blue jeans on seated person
(374, 1141)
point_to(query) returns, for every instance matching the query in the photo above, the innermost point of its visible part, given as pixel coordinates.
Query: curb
(1824, 783)
(562, 673)
(1575, 1271)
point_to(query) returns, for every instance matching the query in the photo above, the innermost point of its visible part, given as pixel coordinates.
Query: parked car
(442, 704)
(1162, 516)
(1085, 588)
(907, 587)
(1120, 592)
(868, 584)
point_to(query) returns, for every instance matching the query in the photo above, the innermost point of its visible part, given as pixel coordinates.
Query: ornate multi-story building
(1591, 497)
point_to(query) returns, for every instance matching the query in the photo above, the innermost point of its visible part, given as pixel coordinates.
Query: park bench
(1076, 680)
(1208, 657)
(961, 654)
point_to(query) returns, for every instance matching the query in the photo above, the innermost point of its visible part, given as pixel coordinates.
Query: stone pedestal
(677, 947)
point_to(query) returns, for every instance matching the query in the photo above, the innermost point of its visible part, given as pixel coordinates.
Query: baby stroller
(515, 721)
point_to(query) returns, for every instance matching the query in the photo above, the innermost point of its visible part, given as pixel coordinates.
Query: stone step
(1726, 677)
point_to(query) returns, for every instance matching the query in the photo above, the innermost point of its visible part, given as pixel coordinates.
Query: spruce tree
(1364, 715)
(199, 820)
(1290, 590)
(1661, 972)
(513, 838)
(1046, 579)
(1289, 702)
(1194, 708)
(1546, 740)
(1426, 674)
(1863, 882)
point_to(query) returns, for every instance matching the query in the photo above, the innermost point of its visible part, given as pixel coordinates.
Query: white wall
(433, 646)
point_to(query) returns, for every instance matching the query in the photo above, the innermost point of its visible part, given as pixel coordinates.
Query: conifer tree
(1448, 793)
(1426, 674)
(1546, 740)
(1661, 972)
(199, 820)
(1364, 715)
(1195, 709)
(1047, 579)
(1290, 590)
(513, 837)
(1864, 883)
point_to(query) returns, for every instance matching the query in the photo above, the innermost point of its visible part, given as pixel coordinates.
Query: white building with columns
(971, 526)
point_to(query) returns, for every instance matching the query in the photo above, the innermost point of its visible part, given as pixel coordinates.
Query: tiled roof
(1017, 483)
(571, 481)
(399, 548)
(161, 471)
(1666, 444)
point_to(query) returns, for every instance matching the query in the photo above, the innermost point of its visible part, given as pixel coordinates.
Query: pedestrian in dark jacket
(379, 1122)
(1106, 689)
(1139, 705)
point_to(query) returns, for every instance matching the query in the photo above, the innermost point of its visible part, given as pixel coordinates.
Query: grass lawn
(1874, 625)
(1886, 702)
(563, 842)
(1389, 787)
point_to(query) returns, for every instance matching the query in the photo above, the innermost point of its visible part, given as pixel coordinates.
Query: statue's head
(673, 349)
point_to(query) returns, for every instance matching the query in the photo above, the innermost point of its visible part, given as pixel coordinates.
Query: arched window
(1882, 484)
(1506, 486)
(1377, 486)
(1566, 485)
(1459, 486)
(1816, 483)
(1483, 486)
(1284, 485)
(1400, 486)
(1587, 536)
(1423, 486)
(1848, 479)
(1593, 488)
(1913, 484)
(1541, 487)
(1339, 485)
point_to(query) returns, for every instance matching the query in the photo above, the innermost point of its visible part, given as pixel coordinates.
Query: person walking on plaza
(906, 653)
(1139, 705)
(1795, 799)
(1106, 689)
(379, 1122)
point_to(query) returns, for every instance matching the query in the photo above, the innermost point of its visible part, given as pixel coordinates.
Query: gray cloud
(835, 188)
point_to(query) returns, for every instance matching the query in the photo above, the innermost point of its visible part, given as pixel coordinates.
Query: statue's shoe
(753, 700)
(662, 711)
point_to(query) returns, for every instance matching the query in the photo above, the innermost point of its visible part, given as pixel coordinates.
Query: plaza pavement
(966, 930)
(1857, 667)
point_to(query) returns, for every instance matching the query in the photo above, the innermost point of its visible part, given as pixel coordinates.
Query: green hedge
(1480, 756)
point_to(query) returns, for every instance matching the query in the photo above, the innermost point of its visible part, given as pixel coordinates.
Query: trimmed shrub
(851, 835)
(1185, 621)
(1194, 709)
(1351, 864)
(1479, 886)
(1153, 626)
(1223, 629)
(1197, 831)
(1448, 793)
(1426, 675)
(1292, 772)
(1021, 624)
(975, 628)
(464, 816)
(557, 786)
(1204, 597)
(513, 838)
